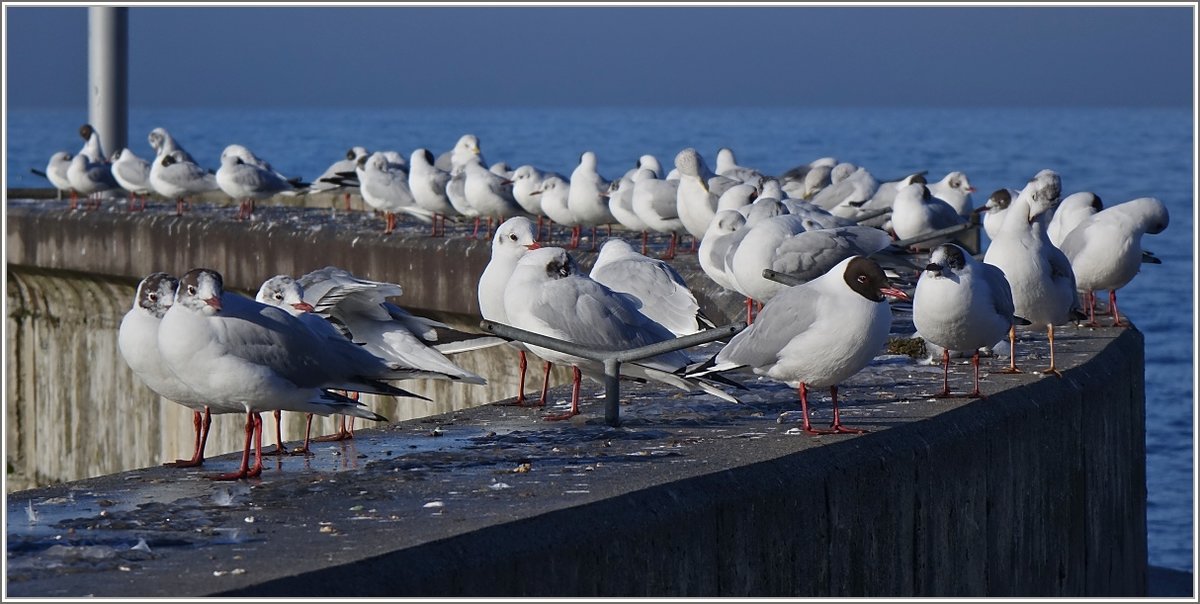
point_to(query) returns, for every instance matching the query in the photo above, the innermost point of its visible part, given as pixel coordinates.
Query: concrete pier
(1036, 491)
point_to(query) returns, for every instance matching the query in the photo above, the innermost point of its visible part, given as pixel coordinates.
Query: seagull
(527, 183)
(384, 186)
(554, 193)
(465, 148)
(1072, 210)
(513, 239)
(247, 178)
(994, 210)
(916, 212)
(163, 144)
(329, 181)
(954, 189)
(699, 190)
(548, 294)
(715, 245)
(654, 202)
(1040, 275)
(175, 177)
(587, 197)
(1105, 249)
(728, 167)
(336, 304)
(851, 187)
(428, 186)
(660, 291)
(56, 173)
(137, 340)
(962, 304)
(489, 194)
(133, 174)
(91, 144)
(235, 351)
(92, 179)
(620, 203)
(818, 333)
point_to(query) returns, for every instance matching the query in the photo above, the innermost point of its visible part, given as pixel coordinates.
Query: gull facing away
(246, 178)
(133, 174)
(328, 181)
(659, 290)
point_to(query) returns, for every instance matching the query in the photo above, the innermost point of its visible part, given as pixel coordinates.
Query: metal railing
(612, 359)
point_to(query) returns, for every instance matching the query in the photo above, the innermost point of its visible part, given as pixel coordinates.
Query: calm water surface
(1120, 154)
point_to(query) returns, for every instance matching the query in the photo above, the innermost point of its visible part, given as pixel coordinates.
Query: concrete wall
(1037, 491)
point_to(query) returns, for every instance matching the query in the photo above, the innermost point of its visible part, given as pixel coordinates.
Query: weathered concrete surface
(1039, 490)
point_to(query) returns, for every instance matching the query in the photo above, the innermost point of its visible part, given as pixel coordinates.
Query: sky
(964, 56)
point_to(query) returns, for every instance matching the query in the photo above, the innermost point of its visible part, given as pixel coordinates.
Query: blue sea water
(1120, 154)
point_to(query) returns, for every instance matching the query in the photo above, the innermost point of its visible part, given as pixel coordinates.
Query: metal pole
(108, 78)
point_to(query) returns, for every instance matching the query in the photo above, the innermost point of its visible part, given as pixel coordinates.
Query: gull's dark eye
(278, 296)
(153, 297)
(512, 236)
(191, 290)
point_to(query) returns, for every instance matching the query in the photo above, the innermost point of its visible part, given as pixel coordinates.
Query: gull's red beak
(534, 246)
(214, 302)
(895, 293)
(304, 306)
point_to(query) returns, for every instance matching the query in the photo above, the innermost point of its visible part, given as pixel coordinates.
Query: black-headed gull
(513, 239)
(715, 246)
(56, 173)
(428, 186)
(91, 144)
(994, 210)
(235, 351)
(137, 340)
(728, 167)
(1072, 210)
(384, 186)
(489, 194)
(333, 303)
(654, 201)
(553, 193)
(699, 190)
(133, 174)
(587, 197)
(818, 333)
(916, 212)
(962, 304)
(163, 143)
(661, 292)
(549, 295)
(465, 148)
(173, 176)
(955, 189)
(850, 188)
(1105, 249)
(527, 180)
(331, 180)
(247, 178)
(1042, 282)
(92, 179)
(620, 203)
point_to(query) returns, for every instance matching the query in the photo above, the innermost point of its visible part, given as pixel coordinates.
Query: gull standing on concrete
(655, 203)
(175, 177)
(489, 194)
(699, 190)
(715, 246)
(587, 197)
(163, 144)
(548, 295)
(133, 174)
(661, 292)
(513, 239)
(332, 180)
(962, 304)
(428, 186)
(819, 333)
(384, 186)
(246, 178)
(137, 340)
(1105, 249)
(235, 351)
(554, 193)
(56, 173)
(92, 179)
(1040, 275)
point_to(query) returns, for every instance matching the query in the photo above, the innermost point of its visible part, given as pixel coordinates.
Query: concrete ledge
(1039, 490)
